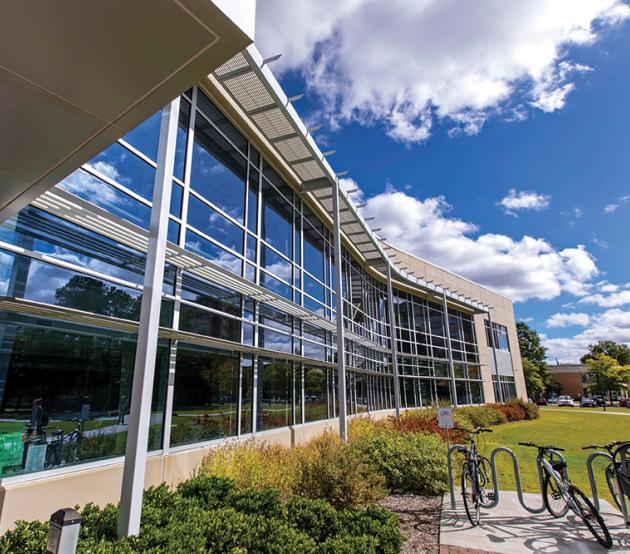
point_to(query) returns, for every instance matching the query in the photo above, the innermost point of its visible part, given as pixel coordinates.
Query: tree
(535, 368)
(605, 375)
(533, 379)
(530, 345)
(620, 352)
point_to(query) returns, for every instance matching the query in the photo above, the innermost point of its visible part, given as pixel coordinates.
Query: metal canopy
(249, 81)
(76, 76)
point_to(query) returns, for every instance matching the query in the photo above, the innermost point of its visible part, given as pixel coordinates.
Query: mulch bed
(419, 521)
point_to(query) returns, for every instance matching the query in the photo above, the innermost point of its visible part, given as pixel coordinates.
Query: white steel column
(392, 338)
(499, 389)
(144, 367)
(451, 365)
(341, 346)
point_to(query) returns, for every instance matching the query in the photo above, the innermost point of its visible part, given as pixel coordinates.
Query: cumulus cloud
(612, 300)
(408, 63)
(522, 268)
(612, 207)
(523, 200)
(568, 319)
(613, 324)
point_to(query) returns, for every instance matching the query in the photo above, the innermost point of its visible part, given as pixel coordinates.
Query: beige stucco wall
(502, 312)
(39, 495)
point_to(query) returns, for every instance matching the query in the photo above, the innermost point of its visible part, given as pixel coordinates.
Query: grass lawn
(568, 430)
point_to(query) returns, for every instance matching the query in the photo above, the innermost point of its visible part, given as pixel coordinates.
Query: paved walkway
(509, 529)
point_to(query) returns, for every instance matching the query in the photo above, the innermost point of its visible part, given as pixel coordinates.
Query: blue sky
(437, 120)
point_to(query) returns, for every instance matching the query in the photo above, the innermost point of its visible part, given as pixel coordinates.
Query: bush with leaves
(209, 514)
(410, 462)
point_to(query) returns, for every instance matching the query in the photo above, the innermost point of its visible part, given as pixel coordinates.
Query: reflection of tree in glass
(92, 295)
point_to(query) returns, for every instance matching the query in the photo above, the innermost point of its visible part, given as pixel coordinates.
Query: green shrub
(410, 462)
(338, 474)
(210, 514)
(479, 416)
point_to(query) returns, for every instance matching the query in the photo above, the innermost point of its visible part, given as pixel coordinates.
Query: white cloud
(612, 300)
(599, 242)
(612, 324)
(567, 320)
(521, 269)
(523, 200)
(408, 63)
(614, 206)
(610, 208)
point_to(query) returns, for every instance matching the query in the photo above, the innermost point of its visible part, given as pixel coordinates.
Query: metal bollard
(63, 534)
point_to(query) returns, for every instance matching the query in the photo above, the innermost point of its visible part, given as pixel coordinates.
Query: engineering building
(247, 332)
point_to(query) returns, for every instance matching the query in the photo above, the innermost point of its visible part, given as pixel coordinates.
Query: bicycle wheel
(554, 501)
(471, 498)
(486, 484)
(591, 517)
(613, 485)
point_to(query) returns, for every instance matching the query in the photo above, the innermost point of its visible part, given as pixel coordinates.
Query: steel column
(392, 338)
(341, 346)
(144, 367)
(494, 356)
(451, 365)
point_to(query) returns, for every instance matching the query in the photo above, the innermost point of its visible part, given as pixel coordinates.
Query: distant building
(570, 377)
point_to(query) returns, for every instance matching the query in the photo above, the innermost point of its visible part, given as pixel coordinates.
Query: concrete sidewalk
(509, 528)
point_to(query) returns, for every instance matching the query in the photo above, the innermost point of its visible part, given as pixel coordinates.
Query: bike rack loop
(495, 482)
(591, 478)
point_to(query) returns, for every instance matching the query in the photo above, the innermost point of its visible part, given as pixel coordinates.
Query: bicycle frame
(595, 495)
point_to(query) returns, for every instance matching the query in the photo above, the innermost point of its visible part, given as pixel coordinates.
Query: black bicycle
(477, 490)
(560, 495)
(65, 448)
(618, 471)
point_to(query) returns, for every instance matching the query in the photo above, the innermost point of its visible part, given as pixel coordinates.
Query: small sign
(11, 449)
(445, 418)
(35, 457)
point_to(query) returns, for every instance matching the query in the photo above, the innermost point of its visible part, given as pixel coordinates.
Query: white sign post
(445, 421)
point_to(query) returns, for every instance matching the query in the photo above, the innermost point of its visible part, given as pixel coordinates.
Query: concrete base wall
(37, 496)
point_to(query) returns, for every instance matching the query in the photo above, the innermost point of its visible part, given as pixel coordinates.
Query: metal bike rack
(495, 482)
(591, 478)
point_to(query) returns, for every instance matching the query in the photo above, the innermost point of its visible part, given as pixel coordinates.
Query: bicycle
(476, 472)
(61, 444)
(558, 487)
(618, 471)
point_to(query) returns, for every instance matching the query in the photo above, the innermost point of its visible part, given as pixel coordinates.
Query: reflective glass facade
(238, 364)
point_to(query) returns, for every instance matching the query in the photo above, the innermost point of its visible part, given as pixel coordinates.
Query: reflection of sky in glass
(88, 187)
(201, 246)
(125, 168)
(217, 183)
(277, 230)
(313, 288)
(145, 137)
(313, 260)
(213, 224)
(275, 264)
(274, 285)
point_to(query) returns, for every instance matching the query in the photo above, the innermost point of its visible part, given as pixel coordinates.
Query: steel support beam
(494, 356)
(144, 368)
(316, 184)
(341, 345)
(451, 365)
(392, 335)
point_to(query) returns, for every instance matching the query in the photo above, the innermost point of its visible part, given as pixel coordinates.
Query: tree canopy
(605, 375)
(619, 352)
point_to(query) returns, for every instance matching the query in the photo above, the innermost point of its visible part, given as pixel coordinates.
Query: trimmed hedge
(209, 514)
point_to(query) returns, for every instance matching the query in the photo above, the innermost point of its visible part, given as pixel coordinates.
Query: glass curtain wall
(66, 364)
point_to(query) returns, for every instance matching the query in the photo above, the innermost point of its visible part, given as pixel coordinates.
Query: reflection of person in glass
(39, 417)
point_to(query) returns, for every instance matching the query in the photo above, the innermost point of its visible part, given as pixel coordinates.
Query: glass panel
(274, 394)
(209, 324)
(125, 168)
(275, 264)
(172, 234)
(199, 245)
(247, 393)
(182, 135)
(274, 285)
(252, 202)
(216, 174)
(145, 137)
(205, 395)
(211, 295)
(313, 253)
(224, 125)
(65, 392)
(213, 224)
(315, 394)
(177, 193)
(90, 188)
(277, 217)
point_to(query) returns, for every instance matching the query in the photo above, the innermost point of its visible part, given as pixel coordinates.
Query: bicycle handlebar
(474, 431)
(542, 446)
(608, 446)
